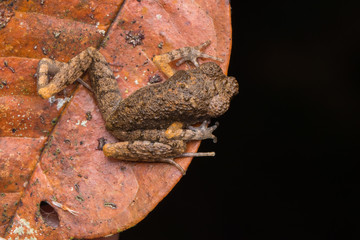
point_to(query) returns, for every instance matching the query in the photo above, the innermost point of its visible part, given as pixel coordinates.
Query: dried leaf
(49, 156)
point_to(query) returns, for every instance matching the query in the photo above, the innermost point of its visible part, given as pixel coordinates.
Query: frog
(154, 123)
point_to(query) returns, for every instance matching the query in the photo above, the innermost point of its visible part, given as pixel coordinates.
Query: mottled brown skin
(188, 97)
(154, 122)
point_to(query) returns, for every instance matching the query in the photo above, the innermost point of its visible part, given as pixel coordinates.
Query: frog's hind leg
(103, 82)
(159, 145)
(65, 75)
(104, 85)
(147, 151)
(48, 68)
(184, 54)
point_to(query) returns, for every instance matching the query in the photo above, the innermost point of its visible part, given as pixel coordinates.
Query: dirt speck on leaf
(155, 79)
(102, 141)
(88, 116)
(134, 37)
(5, 15)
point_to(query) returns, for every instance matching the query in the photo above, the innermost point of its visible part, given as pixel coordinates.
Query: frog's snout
(231, 86)
(228, 87)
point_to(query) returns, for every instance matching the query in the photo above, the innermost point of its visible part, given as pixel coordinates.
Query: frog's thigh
(144, 151)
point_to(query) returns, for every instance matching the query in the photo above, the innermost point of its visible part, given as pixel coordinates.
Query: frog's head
(226, 88)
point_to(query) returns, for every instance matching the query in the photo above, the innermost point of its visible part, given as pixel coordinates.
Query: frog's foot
(188, 154)
(184, 54)
(176, 132)
(193, 53)
(204, 131)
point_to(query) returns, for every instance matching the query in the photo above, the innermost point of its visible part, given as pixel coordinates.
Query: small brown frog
(154, 123)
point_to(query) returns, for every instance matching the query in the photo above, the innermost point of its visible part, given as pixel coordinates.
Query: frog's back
(184, 97)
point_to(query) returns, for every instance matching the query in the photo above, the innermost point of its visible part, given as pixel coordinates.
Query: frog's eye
(211, 69)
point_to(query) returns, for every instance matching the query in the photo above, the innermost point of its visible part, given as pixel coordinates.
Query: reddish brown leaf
(49, 148)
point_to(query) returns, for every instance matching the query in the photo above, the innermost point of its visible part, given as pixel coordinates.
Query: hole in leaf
(49, 215)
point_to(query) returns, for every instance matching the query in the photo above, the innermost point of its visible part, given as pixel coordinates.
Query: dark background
(288, 149)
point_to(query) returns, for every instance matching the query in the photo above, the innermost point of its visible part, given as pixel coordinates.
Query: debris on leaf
(65, 208)
(110, 205)
(88, 116)
(5, 16)
(56, 34)
(155, 79)
(102, 141)
(82, 123)
(102, 32)
(45, 52)
(3, 83)
(79, 198)
(77, 187)
(10, 68)
(134, 37)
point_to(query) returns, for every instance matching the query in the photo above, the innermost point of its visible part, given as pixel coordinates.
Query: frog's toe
(181, 61)
(192, 54)
(205, 131)
(175, 164)
(204, 55)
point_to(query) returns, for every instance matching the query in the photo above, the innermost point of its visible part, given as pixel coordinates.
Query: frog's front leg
(182, 54)
(174, 132)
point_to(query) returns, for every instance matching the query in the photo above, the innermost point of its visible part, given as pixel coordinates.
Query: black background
(288, 149)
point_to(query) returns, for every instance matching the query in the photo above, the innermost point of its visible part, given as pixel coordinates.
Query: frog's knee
(47, 91)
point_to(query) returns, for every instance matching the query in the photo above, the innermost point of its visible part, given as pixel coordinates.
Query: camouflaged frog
(154, 123)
